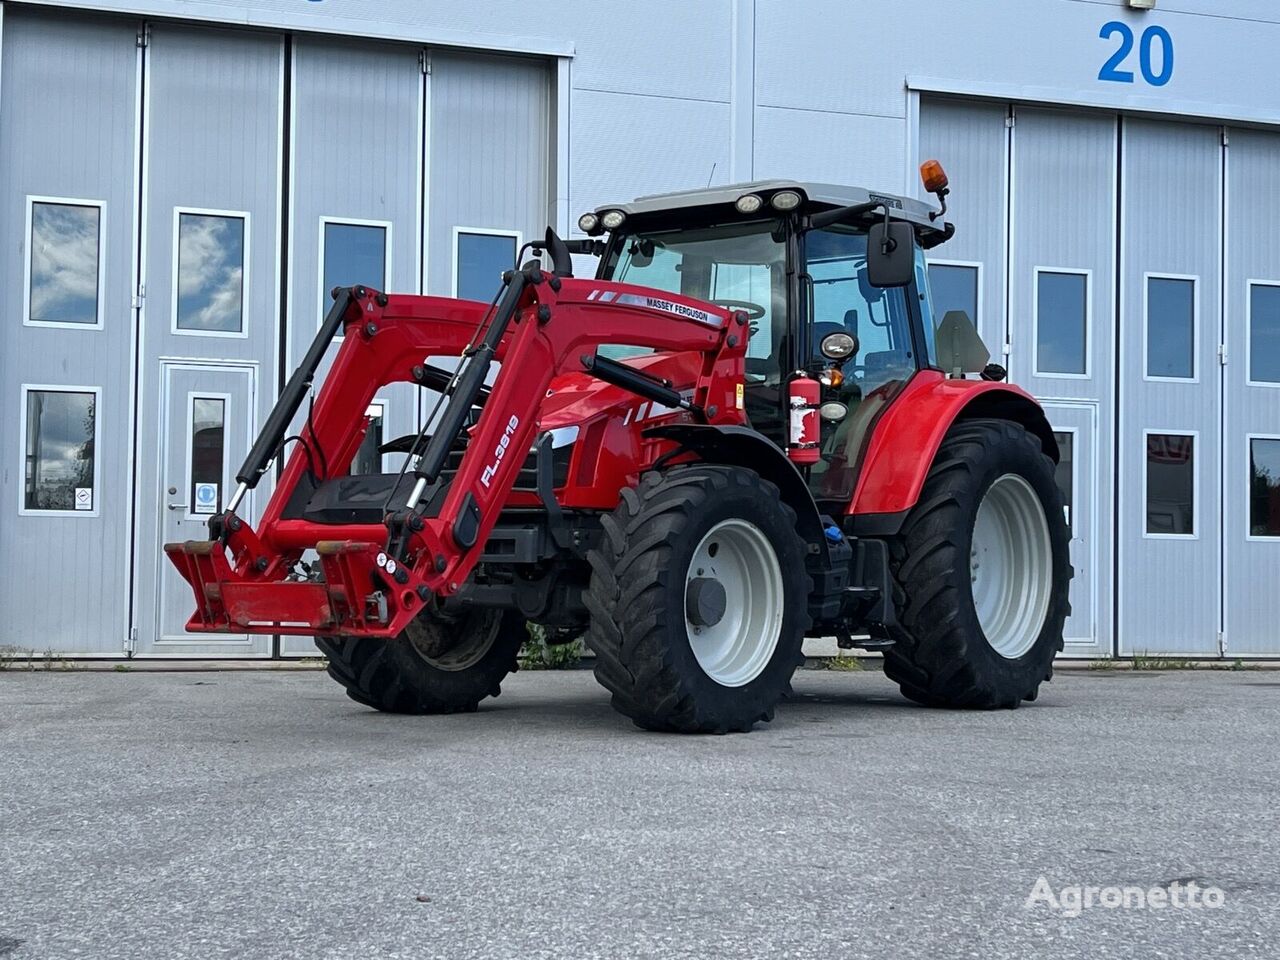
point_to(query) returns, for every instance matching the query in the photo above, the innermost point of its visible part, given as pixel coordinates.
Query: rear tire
(434, 666)
(698, 600)
(981, 573)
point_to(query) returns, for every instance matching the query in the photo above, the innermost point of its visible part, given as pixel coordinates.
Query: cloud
(64, 263)
(210, 272)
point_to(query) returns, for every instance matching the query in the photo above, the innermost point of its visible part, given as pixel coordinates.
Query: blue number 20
(1111, 69)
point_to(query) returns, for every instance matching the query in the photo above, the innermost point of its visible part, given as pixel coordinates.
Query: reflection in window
(954, 288)
(367, 458)
(1264, 487)
(1061, 322)
(210, 273)
(353, 253)
(1065, 474)
(59, 455)
(208, 440)
(1170, 484)
(1171, 328)
(65, 248)
(1264, 333)
(482, 258)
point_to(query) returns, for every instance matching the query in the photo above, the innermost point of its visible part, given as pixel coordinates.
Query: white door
(1075, 425)
(205, 415)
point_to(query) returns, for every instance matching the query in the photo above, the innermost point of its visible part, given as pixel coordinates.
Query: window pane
(954, 288)
(210, 273)
(1171, 328)
(208, 437)
(1061, 318)
(1264, 334)
(481, 261)
(353, 254)
(1170, 483)
(1065, 475)
(1264, 488)
(367, 458)
(64, 263)
(60, 450)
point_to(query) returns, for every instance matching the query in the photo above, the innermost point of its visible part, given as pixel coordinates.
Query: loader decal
(667, 306)
(500, 451)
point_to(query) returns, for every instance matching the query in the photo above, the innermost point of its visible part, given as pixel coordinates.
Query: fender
(744, 447)
(906, 439)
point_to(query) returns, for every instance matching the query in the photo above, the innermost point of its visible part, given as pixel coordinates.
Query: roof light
(785, 200)
(934, 177)
(612, 219)
(588, 223)
(749, 203)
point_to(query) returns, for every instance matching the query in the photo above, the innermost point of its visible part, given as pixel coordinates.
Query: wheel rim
(738, 557)
(1011, 566)
(453, 646)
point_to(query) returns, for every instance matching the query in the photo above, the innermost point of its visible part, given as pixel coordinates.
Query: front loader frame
(375, 578)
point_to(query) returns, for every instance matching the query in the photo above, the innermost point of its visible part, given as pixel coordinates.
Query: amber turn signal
(934, 177)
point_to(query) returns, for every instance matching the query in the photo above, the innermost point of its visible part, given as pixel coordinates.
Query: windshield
(739, 265)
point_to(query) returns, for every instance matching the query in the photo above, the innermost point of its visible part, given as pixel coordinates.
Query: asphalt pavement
(263, 814)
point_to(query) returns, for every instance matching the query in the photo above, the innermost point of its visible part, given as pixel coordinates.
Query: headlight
(785, 200)
(612, 219)
(749, 203)
(588, 223)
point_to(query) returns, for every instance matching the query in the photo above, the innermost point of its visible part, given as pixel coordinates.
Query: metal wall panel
(489, 153)
(1172, 214)
(373, 177)
(67, 130)
(1252, 602)
(972, 142)
(212, 141)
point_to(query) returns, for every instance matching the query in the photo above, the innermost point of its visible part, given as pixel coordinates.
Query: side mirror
(891, 254)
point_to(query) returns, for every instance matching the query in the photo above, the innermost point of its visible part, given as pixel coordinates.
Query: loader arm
(375, 578)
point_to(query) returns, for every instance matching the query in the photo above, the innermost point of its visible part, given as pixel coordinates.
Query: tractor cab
(832, 280)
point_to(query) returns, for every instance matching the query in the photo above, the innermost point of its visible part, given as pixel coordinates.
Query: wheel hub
(705, 601)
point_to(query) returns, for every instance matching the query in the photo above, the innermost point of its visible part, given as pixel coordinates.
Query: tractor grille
(526, 479)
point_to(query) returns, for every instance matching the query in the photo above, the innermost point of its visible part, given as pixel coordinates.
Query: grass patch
(538, 653)
(841, 664)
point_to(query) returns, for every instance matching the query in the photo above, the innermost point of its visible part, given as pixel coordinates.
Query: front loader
(747, 428)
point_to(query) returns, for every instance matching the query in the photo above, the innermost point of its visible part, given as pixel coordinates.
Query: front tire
(981, 573)
(698, 600)
(434, 666)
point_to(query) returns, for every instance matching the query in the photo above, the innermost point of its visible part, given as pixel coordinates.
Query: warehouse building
(180, 182)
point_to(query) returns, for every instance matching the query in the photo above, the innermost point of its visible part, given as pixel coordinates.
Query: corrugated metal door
(490, 168)
(68, 134)
(1170, 394)
(210, 256)
(1062, 254)
(1017, 179)
(1251, 444)
(356, 202)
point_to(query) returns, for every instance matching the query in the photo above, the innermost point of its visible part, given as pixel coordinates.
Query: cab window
(844, 301)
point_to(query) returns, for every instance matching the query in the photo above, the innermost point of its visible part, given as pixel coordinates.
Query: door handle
(176, 506)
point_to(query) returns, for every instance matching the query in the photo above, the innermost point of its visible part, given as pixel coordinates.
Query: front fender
(907, 435)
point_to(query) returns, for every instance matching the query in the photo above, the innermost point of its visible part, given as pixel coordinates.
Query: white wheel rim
(735, 649)
(1011, 566)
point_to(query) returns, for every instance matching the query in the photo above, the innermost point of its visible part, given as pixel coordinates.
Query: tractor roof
(818, 196)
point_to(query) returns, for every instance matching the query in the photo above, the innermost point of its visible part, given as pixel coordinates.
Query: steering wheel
(753, 310)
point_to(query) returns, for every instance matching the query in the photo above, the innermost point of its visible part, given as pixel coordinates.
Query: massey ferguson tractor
(747, 428)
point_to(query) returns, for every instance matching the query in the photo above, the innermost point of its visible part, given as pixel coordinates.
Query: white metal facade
(1115, 197)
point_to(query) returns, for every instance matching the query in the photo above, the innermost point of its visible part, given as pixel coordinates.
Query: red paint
(907, 436)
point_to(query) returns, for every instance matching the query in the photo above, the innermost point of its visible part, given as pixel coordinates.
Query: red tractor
(748, 428)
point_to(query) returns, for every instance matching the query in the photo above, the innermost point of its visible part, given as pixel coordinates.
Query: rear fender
(908, 434)
(744, 447)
